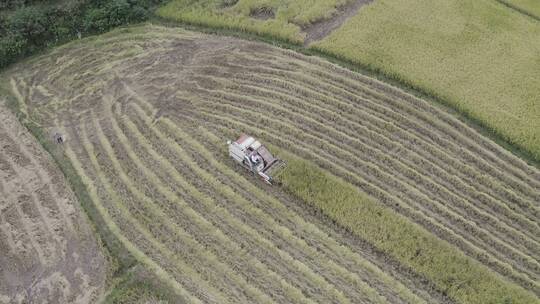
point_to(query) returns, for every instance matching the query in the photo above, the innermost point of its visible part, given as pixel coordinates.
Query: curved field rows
(48, 253)
(147, 113)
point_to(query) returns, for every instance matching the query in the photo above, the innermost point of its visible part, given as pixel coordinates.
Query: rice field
(284, 19)
(147, 112)
(480, 57)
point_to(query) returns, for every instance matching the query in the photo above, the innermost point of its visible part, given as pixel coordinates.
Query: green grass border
(464, 116)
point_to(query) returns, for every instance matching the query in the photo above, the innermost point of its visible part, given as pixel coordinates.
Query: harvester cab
(252, 155)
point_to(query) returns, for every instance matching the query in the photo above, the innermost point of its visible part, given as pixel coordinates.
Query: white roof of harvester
(247, 141)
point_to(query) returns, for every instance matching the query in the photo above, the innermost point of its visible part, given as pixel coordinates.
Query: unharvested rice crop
(479, 56)
(147, 111)
(281, 18)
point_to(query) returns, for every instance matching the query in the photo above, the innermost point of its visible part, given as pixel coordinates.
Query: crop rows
(148, 131)
(489, 86)
(41, 232)
(123, 194)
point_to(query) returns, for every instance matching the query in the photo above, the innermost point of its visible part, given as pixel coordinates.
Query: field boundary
(519, 9)
(408, 87)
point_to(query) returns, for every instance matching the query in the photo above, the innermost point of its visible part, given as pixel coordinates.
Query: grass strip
(136, 286)
(462, 278)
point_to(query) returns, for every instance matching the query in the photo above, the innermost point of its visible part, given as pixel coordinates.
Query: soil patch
(323, 28)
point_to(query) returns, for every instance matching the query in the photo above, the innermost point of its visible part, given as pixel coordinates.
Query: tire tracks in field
(302, 123)
(192, 249)
(294, 267)
(348, 135)
(132, 218)
(131, 248)
(244, 107)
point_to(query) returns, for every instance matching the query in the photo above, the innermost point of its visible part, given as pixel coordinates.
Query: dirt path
(48, 253)
(321, 29)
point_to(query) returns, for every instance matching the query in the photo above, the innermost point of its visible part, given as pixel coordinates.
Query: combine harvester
(253, 156)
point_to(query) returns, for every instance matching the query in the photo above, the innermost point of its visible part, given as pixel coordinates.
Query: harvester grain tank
(252, 155)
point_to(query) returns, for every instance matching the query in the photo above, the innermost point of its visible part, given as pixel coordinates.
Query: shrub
(31, 23)
(11, 46)
(33, 26)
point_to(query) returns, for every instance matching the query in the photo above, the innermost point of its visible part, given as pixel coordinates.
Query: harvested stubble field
(48, 253)
(147, 111)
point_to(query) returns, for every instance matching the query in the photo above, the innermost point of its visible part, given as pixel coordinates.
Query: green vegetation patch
(279, 18)
(137, 286)
(28, 26)
(479, 56)
(462, 278)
